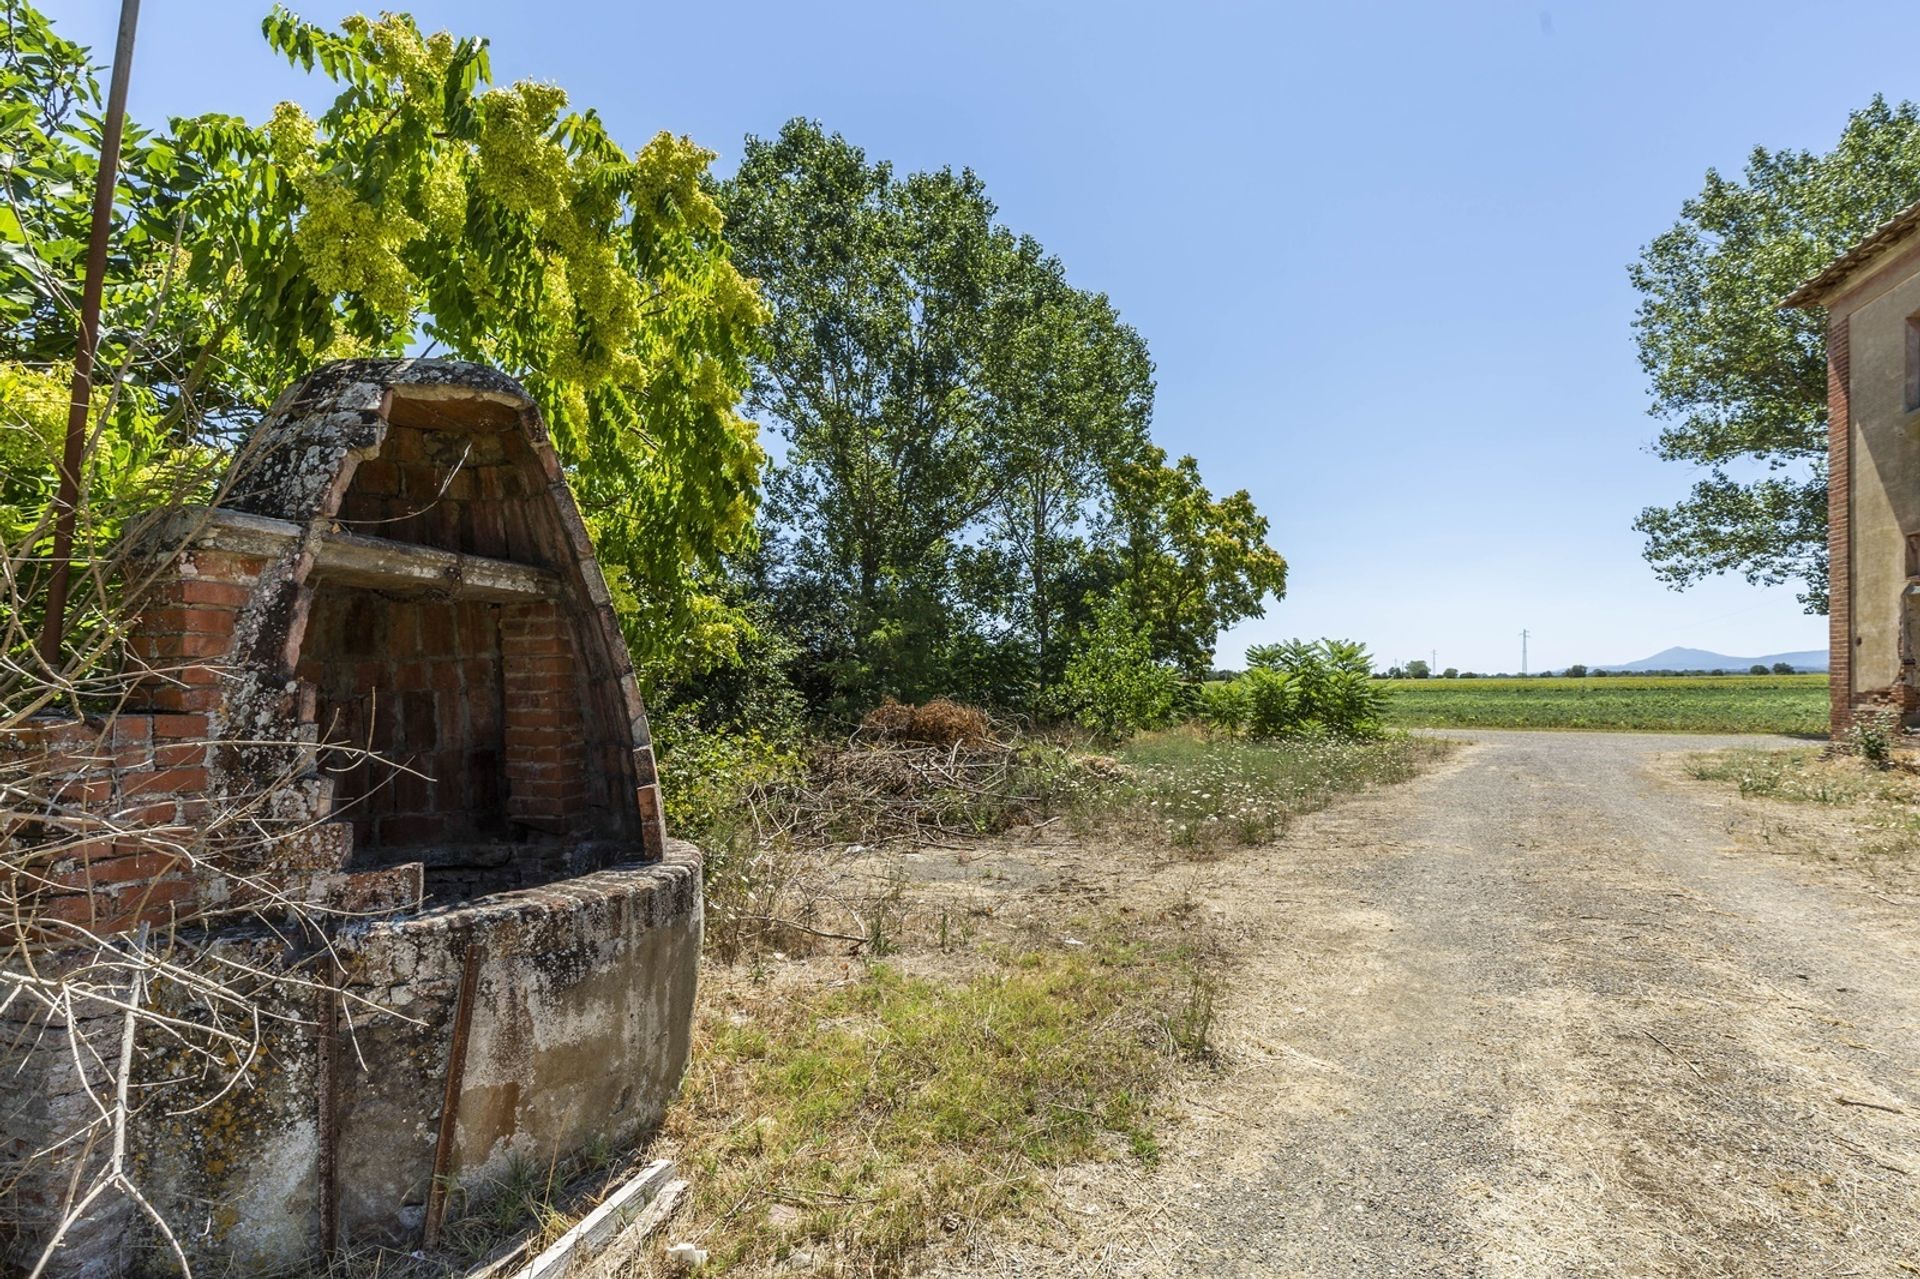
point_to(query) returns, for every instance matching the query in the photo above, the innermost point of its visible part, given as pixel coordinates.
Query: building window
(1913, 362)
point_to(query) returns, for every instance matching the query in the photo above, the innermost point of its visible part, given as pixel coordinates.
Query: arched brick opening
(430, 595)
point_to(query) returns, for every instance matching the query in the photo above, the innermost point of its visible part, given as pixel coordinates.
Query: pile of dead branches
(908, 775)
(940, 722)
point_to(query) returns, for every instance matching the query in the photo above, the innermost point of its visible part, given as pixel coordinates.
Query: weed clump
(1873, 734)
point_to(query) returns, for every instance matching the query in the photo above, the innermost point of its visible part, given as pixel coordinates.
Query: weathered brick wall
(123, 834)
(549, 785)
(460, 491)
(1839, 528)
(418, 683)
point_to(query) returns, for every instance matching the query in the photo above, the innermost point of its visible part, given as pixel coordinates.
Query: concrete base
(580, 1031)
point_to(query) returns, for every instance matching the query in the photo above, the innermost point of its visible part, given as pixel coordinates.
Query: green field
(1689, 704)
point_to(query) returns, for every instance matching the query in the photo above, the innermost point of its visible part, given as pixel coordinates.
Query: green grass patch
(1200, 792)
(1794, 704)
(857, 1122)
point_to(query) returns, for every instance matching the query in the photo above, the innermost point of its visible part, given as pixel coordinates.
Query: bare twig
(802, 928)
(1671, 1053)
(1871, 1105)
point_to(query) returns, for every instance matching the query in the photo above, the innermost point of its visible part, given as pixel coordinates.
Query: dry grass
(798, 859)
(1878, 807)
(845, 1112)
(940, 722)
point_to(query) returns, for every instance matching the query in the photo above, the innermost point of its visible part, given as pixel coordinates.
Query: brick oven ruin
(389, 642)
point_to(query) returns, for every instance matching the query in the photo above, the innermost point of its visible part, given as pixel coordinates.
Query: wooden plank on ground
(625, 1207)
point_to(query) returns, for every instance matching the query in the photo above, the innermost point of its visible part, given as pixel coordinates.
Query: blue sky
(1378, 250)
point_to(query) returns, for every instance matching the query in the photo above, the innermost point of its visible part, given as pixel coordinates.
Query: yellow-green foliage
(33, 417)
(128, 468)
(1702, 704)
(427, 203)
(872, 1111)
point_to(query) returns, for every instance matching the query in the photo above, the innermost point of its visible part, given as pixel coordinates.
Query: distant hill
(1699, 659)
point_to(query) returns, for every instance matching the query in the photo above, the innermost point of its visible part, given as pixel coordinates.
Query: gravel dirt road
(1552, 1009)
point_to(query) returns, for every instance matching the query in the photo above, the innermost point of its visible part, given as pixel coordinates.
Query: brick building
(1871, 295)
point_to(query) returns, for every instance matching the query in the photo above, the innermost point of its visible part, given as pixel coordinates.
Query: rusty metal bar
(328, 1107)
(67, 500)
(450, 1103)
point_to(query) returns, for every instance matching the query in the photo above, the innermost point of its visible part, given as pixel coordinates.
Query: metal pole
(67, 500)
(450, 1101)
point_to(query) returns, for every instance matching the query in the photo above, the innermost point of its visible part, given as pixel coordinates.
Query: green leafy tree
(1577, 671)
(1190, 564)
(50, 107)
(1113, 685)
(1782, 668)
(877, 285)
(1742, 384)
(1071, 399)
(955, 414)
(1418, 669)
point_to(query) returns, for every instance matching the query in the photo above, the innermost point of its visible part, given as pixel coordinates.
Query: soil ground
(1553, 1008)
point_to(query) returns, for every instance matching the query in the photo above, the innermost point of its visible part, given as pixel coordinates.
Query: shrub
(1276, 704)
(1113, 685)
(1872, 735)
(1223, 706)
(1324, 683)
(705, 774)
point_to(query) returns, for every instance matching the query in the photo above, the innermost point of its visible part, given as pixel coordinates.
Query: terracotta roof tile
(1882, 237)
